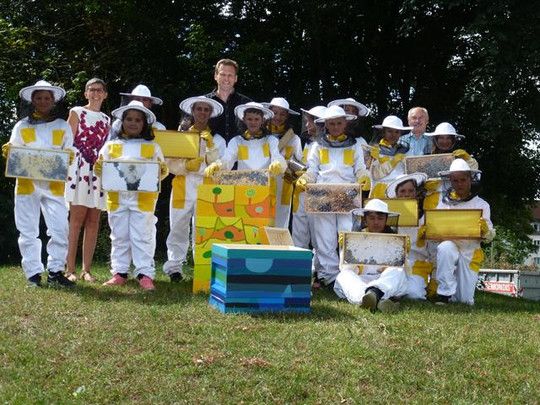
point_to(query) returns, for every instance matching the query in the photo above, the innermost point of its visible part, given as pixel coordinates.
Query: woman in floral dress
(83, 189)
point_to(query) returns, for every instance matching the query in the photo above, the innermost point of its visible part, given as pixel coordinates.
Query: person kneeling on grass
(373, 287)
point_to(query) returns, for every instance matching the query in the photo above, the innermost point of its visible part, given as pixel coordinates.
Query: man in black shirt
(226, 76)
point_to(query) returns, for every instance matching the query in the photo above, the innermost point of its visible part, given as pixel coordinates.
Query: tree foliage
(472, 63)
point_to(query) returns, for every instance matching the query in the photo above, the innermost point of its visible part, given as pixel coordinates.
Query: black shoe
(34, 281)
(371, 298)
(176, 277)
(58, 279)
(441, 299)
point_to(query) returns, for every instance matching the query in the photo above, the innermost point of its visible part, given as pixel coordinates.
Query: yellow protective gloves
(193, 165)
(275, 168)
(163, 170)
(396, 159)
(421, 236)
(461, 154)
(98, 166)
(374, 152)
(212, 169)
(301, 183)
(208, 138)
(5, 150)
(365, 182)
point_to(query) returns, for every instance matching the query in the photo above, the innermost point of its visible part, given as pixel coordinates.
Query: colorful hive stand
(228, 214)
(260, 278)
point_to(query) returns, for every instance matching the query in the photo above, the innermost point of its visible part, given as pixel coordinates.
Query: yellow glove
(71, 155)
(193, 165)
(374, 153)
(208, 138)
(365, 182)
(212, 169)
(484, 228)
(407, 244)
(432, 184)
(5, 150)
(163, 170)
(396, 159)
(461, 154)
(301, 184)
(341, 238)
(421, 236)
(98, 166)
(275, 168)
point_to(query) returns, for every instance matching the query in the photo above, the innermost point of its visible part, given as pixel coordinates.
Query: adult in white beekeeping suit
(188, 175)
(42, 129)
(458, 261)
(289, 146)
(373, 287)
(336, 158)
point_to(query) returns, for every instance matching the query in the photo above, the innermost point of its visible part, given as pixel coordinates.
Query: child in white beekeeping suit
(289, 146)
(131, 213)
(351, 106)
(373, 287)
(139, 93)
(387, 156)
(303, 231)
(188, 175)
(42, 129)
(409, 186)
(335, 158)
(445, 139)
(458, 261)
(255, 149)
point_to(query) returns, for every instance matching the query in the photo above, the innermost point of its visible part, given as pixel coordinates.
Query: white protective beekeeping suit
(252, 154)
(333, 165)
(458, 261)
(183, 200)
(290, 146)
(33, 197)
(131, 213)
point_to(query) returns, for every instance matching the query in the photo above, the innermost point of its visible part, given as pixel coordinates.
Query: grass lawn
(95, 344)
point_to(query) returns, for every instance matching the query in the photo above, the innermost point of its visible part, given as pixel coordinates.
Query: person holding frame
(335, 158)
(91, 128)
(188, 175)
(373, 287)
(131, 213)
(42, 128)
(458, 261)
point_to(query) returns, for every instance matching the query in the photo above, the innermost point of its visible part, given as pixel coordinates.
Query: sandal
(71, 276)
(86, 276)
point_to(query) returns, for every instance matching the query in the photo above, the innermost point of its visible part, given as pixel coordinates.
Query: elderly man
(226, 76)
(419, 143)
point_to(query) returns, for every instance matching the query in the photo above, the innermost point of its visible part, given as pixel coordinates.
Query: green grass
(95, 344)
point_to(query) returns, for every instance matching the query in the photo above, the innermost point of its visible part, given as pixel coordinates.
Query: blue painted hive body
(260, 278)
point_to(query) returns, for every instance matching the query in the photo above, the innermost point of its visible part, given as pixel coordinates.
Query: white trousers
(27, 214)
(178, 239)
(133, 238)
(393, 282)
(303, 232)
(454, 275)
(327, 227)
(283, 211)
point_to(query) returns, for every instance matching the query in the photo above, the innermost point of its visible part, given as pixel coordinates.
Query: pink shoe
(117, 279)
(146, 283)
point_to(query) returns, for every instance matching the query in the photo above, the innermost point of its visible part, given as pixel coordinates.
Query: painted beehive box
(260, 278)
(228, 214)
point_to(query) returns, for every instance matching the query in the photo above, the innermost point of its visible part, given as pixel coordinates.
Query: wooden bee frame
(242, 178)
(37, 163)
(178, 144)
(428, 164)
(378, 249)
(340, 198)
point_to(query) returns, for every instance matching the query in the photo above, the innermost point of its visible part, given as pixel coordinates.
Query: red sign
(500, 287)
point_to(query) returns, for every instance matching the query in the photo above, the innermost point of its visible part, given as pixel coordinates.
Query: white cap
(142, 91)
(392, 122)
(317, 111)
(418, 178)
(26, 92)
(239, 110)
(363, 111)
(335, 112)
(134, 105)
(282, 103)
(187, 105)
(459, 165)
(374, 205)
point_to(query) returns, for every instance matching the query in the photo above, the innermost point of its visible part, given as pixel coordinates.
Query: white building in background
(534, 258)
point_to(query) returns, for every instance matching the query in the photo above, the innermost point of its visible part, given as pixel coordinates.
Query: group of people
(236, 132)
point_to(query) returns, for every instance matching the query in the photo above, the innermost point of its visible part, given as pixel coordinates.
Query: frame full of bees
(428, 164)
(242, 177)
(379, 249)
(341, 198)
(37, 163)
